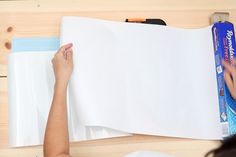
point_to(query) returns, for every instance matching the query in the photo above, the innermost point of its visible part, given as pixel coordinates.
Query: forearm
(56, 142)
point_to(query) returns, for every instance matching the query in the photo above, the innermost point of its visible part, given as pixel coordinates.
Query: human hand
(63, 65)
(230, 76)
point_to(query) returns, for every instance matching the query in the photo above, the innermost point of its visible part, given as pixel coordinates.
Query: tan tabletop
(35, 18)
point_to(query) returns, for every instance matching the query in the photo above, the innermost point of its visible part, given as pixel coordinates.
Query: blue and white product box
(224, 47)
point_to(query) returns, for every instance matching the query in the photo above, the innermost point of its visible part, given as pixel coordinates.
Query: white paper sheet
(144, 79)
(31, 84)
(30, 80)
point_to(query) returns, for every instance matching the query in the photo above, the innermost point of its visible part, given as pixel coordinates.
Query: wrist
(60, 86)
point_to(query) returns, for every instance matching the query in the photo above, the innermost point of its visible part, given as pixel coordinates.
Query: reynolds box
(224, 47)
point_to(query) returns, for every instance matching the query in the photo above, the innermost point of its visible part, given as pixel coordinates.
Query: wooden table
(31, 18)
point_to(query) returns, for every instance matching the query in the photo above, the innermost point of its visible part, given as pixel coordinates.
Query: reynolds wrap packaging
(224, 47)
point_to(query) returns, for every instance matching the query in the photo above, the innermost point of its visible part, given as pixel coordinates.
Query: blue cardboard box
(224, 47)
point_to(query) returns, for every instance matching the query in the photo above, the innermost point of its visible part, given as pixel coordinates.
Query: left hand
(63, 65)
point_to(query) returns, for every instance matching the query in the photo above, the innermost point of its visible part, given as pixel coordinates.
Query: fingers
(230, 76)
(64, 48)
(69, 55)
(231, 69)
(228, 67)
(234, 62)
(229, 81)
(230, 84)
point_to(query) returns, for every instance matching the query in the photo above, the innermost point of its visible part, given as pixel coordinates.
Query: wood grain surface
(36, 18)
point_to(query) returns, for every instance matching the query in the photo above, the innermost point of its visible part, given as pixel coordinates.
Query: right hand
(230, 77)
